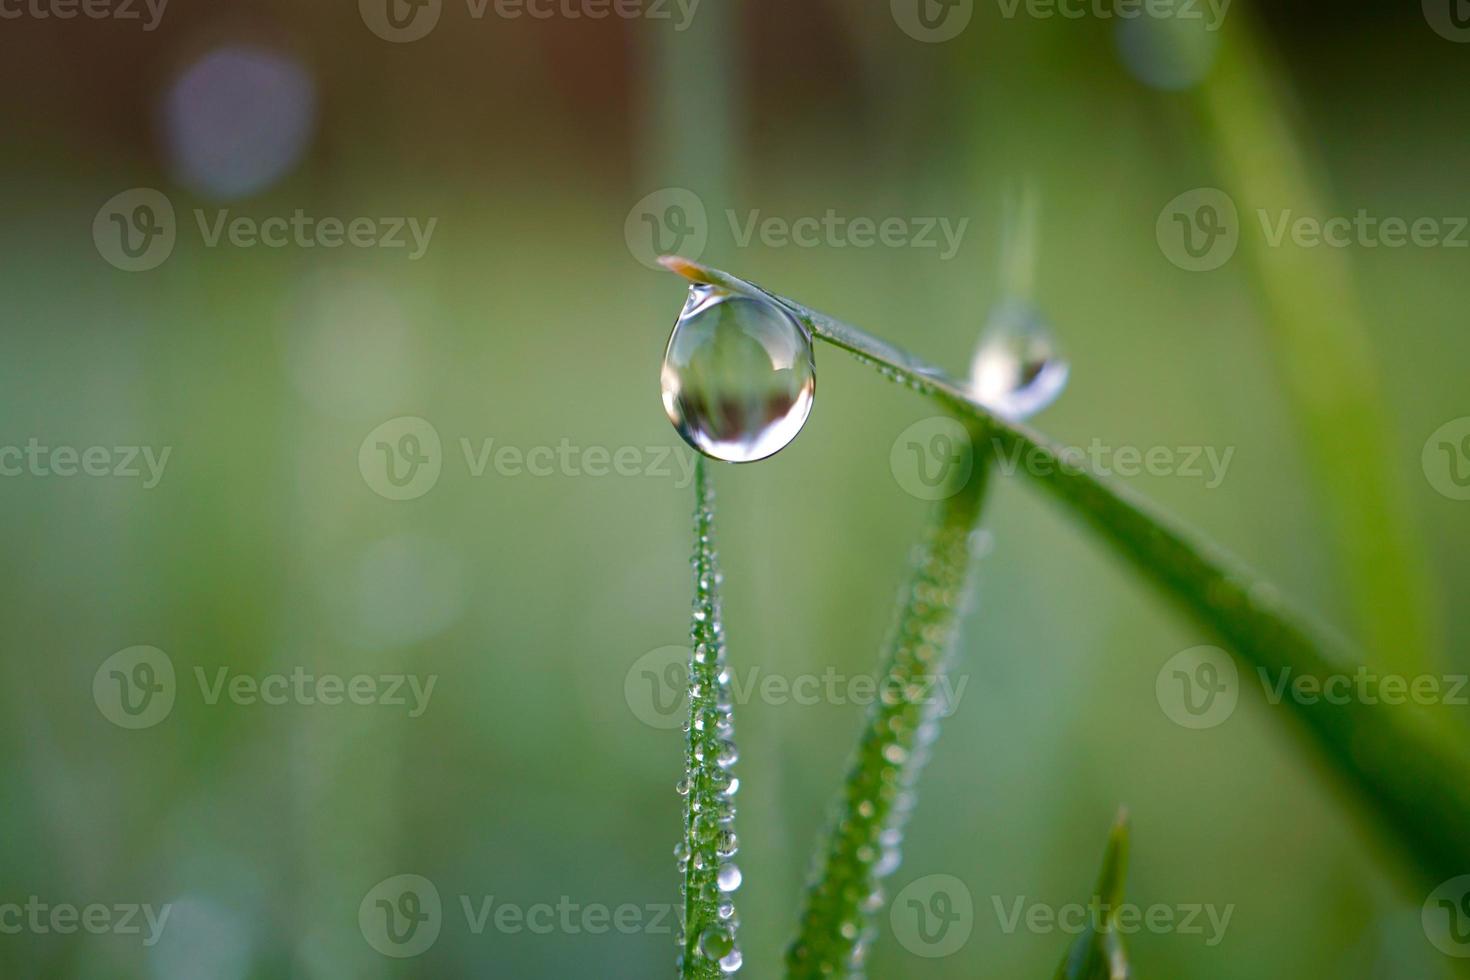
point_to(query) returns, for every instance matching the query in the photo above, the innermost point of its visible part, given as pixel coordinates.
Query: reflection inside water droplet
(1017, 369)
(738, 376)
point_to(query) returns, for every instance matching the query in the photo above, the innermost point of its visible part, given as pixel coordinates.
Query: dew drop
(716, 942)
(728, 878)
(738, 375)
(731, 961)
(1017, 369)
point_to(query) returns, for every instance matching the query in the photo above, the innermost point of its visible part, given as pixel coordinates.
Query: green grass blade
(1327, 364)
(1409, 768)
(1098, 953)
(862, 842)
(708, 786)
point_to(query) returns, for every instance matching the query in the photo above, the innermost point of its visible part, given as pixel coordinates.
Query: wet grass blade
(1098, 953)
(709, 815)
(862, 841)
(1410, 768)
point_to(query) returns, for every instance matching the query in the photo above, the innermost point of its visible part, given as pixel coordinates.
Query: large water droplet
(1017, 369)
(716, 942)
(738, 376)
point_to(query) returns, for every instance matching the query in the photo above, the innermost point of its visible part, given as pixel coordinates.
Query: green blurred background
(529, 320)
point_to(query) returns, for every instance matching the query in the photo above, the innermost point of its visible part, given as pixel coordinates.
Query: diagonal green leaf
(867, 825)
(1411, 770)
(1312, 308)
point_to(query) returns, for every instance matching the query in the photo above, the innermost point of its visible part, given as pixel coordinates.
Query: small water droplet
(1017, 369)
(731, 961)
(738, 375)
(729, 755)
(728, 878)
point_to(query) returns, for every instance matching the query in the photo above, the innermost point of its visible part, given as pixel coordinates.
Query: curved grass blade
(1098, 953)
(1412, 770)
(1327, 362)
(867, 826)
(708, 788)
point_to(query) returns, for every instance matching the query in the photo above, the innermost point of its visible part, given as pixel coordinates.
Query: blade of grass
(1326, 358)
(1411, 770)
(709, 815)
(867, 825)
(1098, 953)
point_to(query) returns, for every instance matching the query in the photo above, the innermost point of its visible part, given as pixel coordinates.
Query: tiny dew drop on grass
(738, 375)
